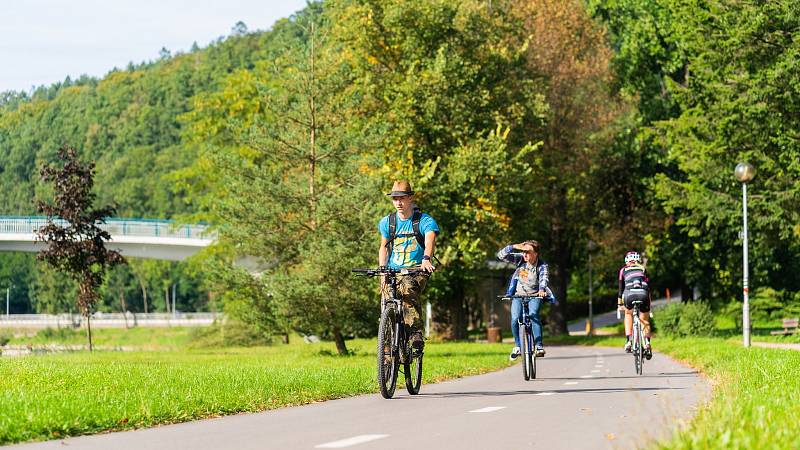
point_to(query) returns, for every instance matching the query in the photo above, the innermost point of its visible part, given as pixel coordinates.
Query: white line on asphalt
(546, 393)
(595, 371)
(587, 376)
(570, 383)
(598, 366)
(488, 409)
(355, 440)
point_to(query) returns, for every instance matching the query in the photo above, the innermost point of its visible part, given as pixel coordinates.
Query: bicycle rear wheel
(526, 351)
(413, 372)
(638, 351)
(387, 353)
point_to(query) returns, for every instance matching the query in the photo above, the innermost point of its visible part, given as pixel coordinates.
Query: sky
(44, 41)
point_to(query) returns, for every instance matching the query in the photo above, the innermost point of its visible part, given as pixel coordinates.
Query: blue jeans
(533, 313)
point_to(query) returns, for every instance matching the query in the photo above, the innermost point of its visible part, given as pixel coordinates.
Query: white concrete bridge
(136, 238)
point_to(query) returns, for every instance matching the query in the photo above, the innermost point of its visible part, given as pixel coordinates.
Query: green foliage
(231, 333)
(685, 319)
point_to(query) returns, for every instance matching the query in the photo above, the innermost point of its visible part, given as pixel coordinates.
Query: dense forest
(617, 122)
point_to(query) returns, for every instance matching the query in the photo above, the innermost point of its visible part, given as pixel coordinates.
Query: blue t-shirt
(406, 252)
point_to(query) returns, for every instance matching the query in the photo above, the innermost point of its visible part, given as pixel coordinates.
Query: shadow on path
(534, 392)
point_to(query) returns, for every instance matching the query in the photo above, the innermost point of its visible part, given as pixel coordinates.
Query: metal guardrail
(109, 320)
(116, 227)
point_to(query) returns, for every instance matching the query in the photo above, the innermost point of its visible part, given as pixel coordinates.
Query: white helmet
(632, 256)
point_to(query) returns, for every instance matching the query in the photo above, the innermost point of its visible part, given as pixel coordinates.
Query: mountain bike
(394, 347)
(638, 338)
(525, 336)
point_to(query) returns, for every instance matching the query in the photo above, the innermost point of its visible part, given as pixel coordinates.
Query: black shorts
(631, 296)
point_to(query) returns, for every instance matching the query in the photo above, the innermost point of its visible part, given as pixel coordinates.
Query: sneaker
(417, 342)
(540, 352)
(628, 346)
(648, 351)
(514, 353)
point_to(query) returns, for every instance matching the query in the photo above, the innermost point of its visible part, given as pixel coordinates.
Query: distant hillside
(128, 122)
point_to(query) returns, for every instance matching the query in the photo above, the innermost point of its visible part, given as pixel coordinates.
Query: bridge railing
(116, 227)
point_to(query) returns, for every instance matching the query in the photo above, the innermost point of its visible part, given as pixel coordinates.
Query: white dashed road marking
(355, 440)
(487, 409)
(570, 383)
(546, 393)
(586, 376)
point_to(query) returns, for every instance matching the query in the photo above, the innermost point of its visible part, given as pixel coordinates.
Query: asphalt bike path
(584, 397)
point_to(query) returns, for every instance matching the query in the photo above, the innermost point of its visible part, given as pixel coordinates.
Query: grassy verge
(755, 402)
(61, 395)
(138, 337)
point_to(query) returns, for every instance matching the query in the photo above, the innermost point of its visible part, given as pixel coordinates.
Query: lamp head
(744, 172)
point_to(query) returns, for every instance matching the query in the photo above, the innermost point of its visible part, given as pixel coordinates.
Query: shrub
(686, 319)
(231, 333)
(5, 337)
(57, 334)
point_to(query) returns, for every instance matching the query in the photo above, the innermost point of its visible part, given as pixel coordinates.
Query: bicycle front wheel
(524, 337)
(387, 353)
(413, 370)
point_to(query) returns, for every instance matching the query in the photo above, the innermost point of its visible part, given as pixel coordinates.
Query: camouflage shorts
(409, 288)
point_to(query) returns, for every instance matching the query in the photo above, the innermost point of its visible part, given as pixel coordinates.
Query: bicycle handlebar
(511, 297)
(386, 270)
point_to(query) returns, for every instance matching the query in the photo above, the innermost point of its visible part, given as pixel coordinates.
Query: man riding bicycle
(408, 239)
(531, 278)
(634, 286)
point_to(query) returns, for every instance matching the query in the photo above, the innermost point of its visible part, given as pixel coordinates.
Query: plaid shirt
(531, 278)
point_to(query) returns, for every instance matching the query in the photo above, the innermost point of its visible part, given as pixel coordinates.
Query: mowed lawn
(45, 397)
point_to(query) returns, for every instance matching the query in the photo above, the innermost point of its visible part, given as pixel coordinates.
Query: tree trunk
(89, 329)
(451, 318)
(124, 308)
(687, 293)
(166, 297)
(559, 272)
(341, 347)
(144, 296)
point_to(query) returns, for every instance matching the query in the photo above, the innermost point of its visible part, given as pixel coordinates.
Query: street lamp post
(590, 247)
(745, 173)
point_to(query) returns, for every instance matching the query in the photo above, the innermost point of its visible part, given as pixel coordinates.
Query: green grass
(44, 397)
(756, 392)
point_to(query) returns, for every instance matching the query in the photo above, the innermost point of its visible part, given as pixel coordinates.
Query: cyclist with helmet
(530, 278)
(633, 286)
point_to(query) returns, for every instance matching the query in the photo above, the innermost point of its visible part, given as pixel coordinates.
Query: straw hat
(401, 188)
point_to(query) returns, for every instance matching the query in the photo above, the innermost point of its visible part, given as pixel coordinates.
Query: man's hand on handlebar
(427, 266)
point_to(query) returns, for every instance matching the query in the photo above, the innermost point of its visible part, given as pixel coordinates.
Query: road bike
(394, 347)
(638, 338)
(525, 336)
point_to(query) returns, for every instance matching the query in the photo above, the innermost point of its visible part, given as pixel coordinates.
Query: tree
(569, 51)
(740, 102)
(446, 84)
(292, 191)
(76, 244)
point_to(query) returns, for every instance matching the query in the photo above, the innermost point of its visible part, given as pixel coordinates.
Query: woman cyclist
(530, 278)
